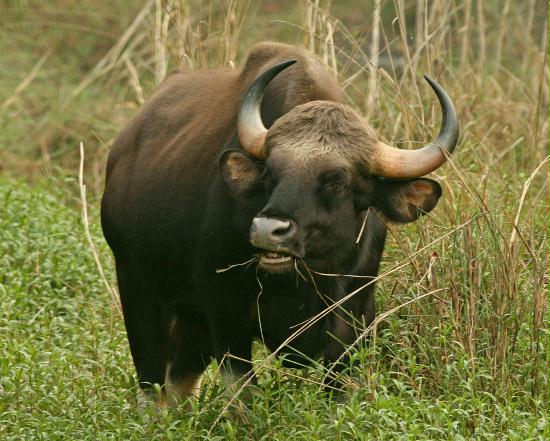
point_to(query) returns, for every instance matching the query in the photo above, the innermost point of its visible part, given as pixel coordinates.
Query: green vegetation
(460, 350)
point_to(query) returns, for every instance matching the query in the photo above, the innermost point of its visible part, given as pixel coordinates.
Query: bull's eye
(335, 187)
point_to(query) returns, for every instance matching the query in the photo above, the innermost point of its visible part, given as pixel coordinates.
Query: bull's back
(162, 164)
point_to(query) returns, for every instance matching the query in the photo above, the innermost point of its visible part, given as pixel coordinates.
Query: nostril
(282, 230)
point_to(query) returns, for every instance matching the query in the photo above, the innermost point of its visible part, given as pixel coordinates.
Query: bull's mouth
(276, 262)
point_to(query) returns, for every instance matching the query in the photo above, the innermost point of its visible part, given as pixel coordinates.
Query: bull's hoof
(151, 401)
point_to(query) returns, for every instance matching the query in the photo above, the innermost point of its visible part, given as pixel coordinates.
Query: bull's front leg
(231, 338)
(190, 354)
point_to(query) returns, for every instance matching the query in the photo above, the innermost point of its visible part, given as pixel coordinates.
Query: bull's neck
(363, 267)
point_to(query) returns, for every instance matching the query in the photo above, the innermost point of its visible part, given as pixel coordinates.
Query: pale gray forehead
(321, 132)
(293, 159)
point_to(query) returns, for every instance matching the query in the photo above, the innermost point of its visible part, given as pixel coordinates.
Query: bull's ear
(239, 171)
(407, 201)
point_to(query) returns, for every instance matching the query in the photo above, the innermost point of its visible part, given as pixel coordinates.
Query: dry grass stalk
(502, 32)
(162, 21)
(465, 31)
(400, 11)
(513, 237)
(134, 80)
(372, 94)
(481, 36)
(419, 22)
(312, 10)
(529, 34)
(329, 43)
(86, 223)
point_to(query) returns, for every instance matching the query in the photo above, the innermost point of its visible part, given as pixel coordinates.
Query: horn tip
(287, 63)
(440, 92)
(430, 81)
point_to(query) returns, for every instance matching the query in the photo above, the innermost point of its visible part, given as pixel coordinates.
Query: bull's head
(319, 168)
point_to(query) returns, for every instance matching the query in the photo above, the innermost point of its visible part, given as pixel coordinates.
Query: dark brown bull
(223, 166)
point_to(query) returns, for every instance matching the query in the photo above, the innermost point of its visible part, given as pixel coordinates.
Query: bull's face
(314, 211)
(310, 214)
(314, 191)
(307, 214)
(309, 180)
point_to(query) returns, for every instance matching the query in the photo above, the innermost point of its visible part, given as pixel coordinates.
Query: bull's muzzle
(273, 234)
(276, 238)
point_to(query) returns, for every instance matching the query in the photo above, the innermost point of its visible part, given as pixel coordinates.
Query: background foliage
(461, 347)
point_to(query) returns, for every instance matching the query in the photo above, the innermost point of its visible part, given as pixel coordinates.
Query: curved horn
(250, 127)
(391, 162)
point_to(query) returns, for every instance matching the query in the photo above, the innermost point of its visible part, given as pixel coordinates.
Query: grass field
(460, 349)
